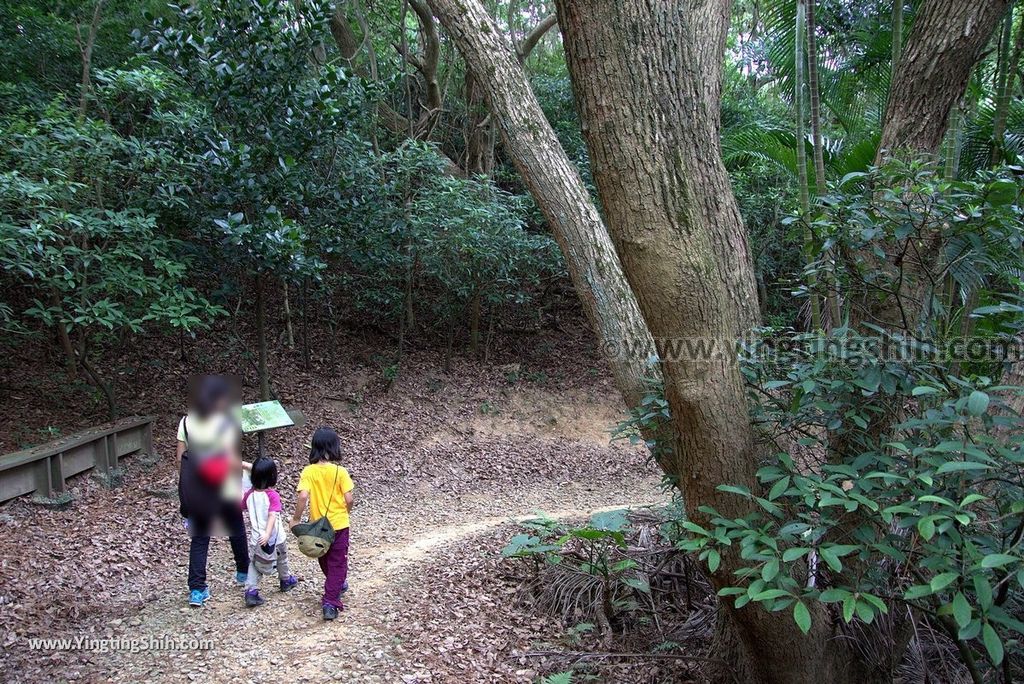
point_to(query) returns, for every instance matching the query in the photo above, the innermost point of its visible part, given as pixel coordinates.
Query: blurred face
(222, 405)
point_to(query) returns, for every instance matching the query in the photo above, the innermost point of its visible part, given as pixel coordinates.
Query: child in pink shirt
(268, 547)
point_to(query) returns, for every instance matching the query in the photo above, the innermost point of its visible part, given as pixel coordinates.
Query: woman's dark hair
(325, 446)
(264, 473)
(208, 393)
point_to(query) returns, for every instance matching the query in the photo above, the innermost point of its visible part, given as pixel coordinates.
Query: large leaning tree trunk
(945, 42)
(650, 110)
(556, 185)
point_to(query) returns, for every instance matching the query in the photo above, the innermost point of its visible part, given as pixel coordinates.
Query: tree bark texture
(945, 42)
(558, 189)
(647, 80)
(480, 132)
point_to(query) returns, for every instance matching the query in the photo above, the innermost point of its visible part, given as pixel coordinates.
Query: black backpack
(198, 499)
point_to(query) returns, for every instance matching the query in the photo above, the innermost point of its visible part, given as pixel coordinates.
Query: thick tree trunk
(944, 44)
(558, 189)
(649, 101)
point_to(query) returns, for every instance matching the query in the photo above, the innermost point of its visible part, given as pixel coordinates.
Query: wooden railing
(44, 469)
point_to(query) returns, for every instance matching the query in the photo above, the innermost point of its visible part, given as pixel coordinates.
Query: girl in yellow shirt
(327, 488)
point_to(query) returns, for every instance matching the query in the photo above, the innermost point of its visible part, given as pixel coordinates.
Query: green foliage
(591, 549)
(79, 210)
(893, 480)
(975, 225)
(450, 239)
(251, 66)
(649, 423)
(597, 550)
(920, 512)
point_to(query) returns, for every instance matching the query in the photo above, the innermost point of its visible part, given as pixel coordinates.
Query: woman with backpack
(209, 480)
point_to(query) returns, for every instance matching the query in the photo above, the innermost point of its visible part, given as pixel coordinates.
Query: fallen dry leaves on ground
(441, 461)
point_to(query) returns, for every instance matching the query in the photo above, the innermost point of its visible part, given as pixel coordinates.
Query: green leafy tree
(79, 233)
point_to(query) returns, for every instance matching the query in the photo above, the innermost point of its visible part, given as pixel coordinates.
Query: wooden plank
(43, 469)
(56, 463)
(16, 458)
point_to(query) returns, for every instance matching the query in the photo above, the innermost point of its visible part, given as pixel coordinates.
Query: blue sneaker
(197, 597)
(289, 582)
(240, 577)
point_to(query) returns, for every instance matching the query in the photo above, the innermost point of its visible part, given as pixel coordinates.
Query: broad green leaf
(831, 559)
(779, 488)
(790, 555)
(917, 591)
(997, 560)
(833, 595)
(992, 644)
(943, 580)
(849, 605)
(970, 631)
(734, 489)
(984, 592)
(802, 617)
(958, 466)
(714, 560)
(977, 403)
(926, 528)
(961, 610)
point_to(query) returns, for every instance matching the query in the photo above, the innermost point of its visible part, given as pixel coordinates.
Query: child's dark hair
(264, 473)
(325, 446)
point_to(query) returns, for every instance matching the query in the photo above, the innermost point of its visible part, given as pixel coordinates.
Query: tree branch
(534, 36)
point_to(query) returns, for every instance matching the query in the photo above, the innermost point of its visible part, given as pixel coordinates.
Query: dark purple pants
(334, 563)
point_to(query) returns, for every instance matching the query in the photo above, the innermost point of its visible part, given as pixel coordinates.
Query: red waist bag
(214, 470)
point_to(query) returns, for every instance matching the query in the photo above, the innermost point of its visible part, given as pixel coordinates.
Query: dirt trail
(393, 545)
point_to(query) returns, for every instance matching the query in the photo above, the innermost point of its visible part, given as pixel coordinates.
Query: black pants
(231, 515)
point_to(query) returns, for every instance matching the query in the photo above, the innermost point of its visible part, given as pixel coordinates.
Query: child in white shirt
(268, 548)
